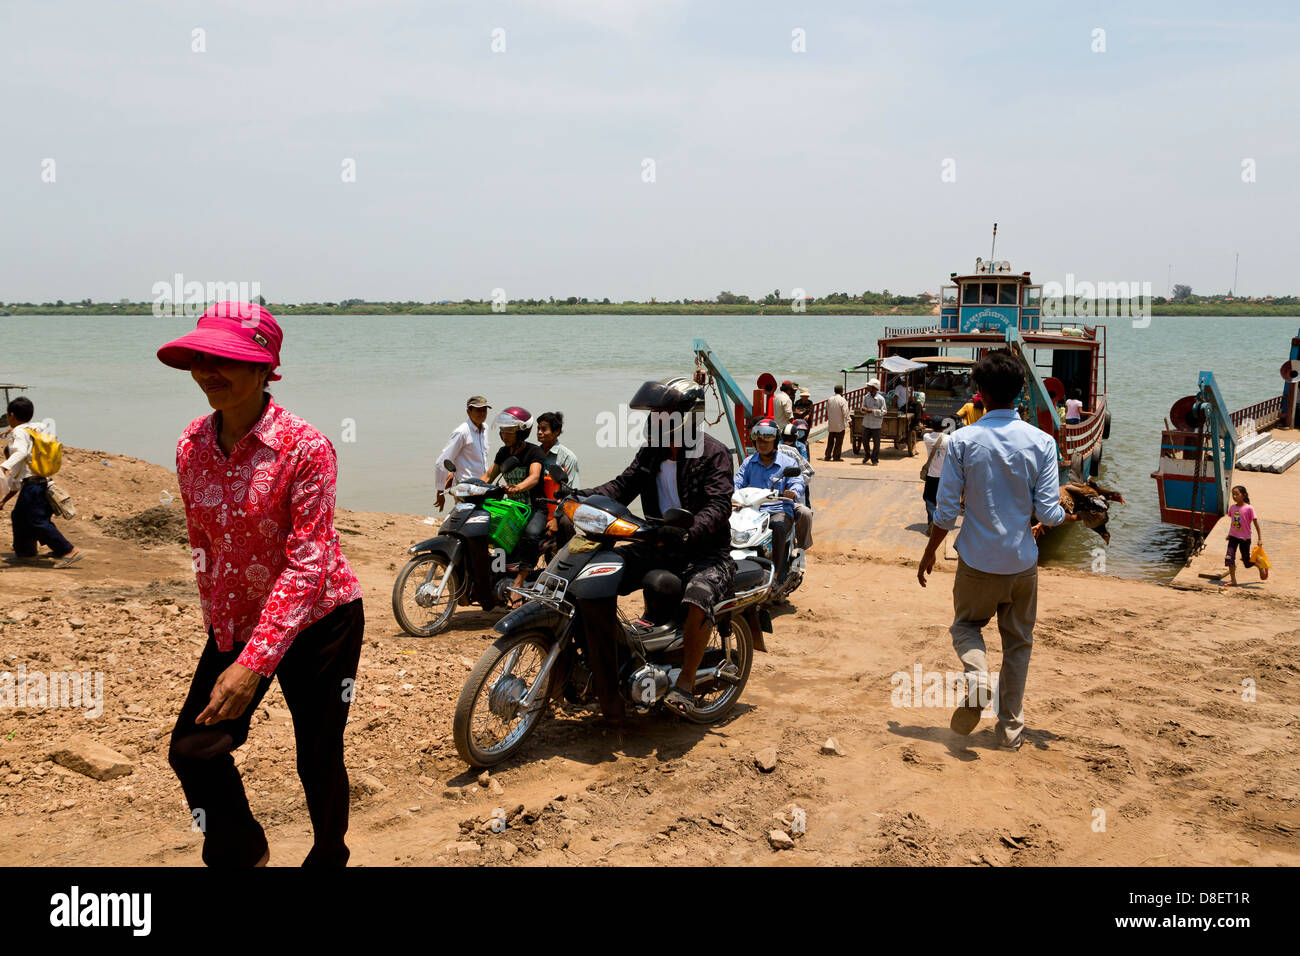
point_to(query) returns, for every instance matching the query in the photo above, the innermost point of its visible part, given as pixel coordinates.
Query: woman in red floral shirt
(279, 599)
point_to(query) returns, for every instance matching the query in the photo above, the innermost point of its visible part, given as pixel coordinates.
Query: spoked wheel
(418, 605)
(489, 725)
(716, 699)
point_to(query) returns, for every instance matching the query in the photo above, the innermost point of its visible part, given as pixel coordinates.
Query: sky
(627, 149)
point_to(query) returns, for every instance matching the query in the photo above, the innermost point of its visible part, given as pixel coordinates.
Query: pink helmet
(516, 417)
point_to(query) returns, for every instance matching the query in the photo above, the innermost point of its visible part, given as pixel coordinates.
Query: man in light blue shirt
(1007, 470)
(758, 471)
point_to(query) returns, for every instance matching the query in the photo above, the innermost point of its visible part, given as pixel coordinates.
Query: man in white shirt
(901, 394)
(936, 444)
(874, 404)
(837, 419)
(32, 512)
(467, 449)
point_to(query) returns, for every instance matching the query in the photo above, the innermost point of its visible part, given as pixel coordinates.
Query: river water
(389, 389)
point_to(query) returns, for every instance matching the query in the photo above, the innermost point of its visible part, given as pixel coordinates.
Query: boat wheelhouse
(994, 308)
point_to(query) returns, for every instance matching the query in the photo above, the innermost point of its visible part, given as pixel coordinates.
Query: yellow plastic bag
(1260, 560)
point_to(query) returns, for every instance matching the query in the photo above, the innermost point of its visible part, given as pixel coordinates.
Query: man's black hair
(1000, 377)
(22, 409)
(554, 421)
(839, 389)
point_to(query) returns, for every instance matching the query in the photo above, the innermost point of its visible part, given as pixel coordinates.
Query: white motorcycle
(751, 534)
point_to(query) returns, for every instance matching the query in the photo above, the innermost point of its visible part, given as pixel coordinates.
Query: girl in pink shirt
(1240, 517)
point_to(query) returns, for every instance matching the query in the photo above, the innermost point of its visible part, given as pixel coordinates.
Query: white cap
(873, 383)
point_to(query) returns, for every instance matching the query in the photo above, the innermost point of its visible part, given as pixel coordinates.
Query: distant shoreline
(1215, 309)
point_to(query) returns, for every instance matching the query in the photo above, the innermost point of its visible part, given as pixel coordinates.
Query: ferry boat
(993, 308)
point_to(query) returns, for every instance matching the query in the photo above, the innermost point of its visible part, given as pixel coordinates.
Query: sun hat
(242, 331)
(477, 401)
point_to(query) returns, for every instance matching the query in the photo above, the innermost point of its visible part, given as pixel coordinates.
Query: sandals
(679, 702)
(68, 561)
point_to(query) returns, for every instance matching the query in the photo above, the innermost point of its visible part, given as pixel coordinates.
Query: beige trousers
(976, 597)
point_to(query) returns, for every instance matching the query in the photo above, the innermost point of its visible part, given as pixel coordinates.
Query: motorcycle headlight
(465, 489)
(591, 520)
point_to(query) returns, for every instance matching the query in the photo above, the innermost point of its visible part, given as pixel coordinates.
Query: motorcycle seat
(751, 573)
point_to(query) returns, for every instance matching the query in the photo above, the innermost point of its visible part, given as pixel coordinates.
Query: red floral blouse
(261, 526)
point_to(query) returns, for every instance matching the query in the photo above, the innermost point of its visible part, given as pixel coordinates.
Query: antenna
(995, 244)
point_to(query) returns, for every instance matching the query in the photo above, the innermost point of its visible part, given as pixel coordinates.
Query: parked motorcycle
(541, 654)
(468, 560)
(751, 534)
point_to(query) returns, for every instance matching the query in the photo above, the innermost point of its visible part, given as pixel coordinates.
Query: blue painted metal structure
(1194, 474)
(730, 390)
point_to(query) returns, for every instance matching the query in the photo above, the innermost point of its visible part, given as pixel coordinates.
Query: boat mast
(1236, 263)
(995, 241)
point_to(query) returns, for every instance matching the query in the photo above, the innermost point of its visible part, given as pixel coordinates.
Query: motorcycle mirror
(449, 465)
(678, 518)
(509, 464)
(791, 471)
(557, 474)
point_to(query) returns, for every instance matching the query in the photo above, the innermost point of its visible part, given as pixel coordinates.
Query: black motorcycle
(462, 563)
(541, 653)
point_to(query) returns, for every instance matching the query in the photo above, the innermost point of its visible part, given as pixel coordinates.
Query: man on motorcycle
(678, 467)
(523, 483)
(758, 471)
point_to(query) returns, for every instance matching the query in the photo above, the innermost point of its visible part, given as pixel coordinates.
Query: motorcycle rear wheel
(409, 614)
(485, 729)
(738, 647)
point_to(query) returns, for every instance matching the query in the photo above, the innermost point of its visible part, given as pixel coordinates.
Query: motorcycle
(541, 653)
(751, 534)
(466, 560)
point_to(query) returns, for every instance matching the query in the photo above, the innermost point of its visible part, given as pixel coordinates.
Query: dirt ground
(1163, 725)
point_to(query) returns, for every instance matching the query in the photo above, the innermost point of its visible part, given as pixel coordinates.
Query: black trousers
(782, 526)
(834, 446)
(871, 444)
(32, 525)
(317, 675)
(530, 539)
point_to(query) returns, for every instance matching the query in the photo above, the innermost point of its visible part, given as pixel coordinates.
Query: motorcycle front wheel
(489, 727)
(425, 572)
(717, 700)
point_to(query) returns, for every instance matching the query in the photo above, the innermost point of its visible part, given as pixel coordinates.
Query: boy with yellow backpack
(35, 456)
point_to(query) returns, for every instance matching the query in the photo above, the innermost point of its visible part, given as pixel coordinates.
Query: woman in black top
(523, 482)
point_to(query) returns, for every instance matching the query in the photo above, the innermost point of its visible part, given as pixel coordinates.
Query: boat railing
(894, 333)
(853, 397)
(1083, 436)
(1264, 414)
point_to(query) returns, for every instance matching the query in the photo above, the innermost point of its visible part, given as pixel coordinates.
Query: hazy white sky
(523, 169)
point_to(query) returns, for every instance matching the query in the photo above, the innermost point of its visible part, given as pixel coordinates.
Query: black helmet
(678, 394)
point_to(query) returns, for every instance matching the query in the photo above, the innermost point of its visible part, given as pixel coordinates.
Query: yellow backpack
(47, 454)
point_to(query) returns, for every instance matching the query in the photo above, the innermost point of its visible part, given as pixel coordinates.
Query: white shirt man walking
(1007, 470)
(874, 406)
(467, 449)
(837, 419)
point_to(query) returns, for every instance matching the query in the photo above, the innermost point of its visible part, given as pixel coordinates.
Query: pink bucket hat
(234, 330)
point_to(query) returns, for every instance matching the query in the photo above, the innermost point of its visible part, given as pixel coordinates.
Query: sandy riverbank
(1135, 712)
